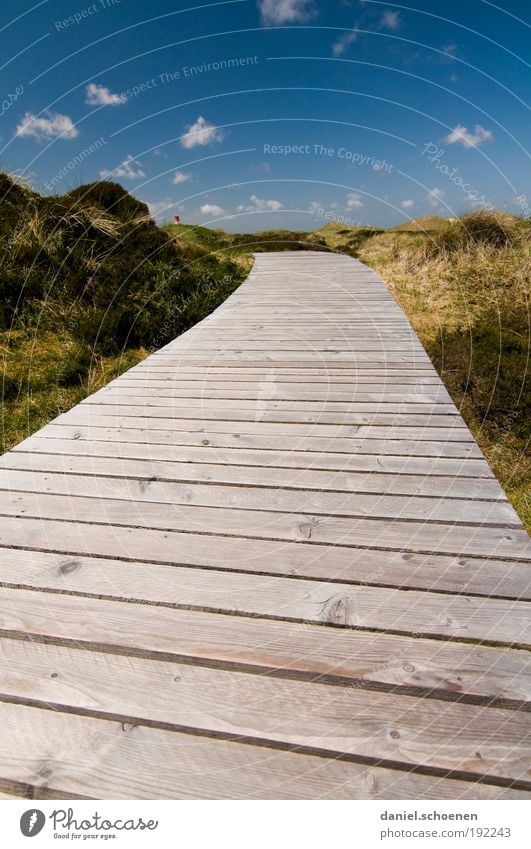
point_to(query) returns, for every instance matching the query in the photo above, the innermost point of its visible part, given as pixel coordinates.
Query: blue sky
(277, 113)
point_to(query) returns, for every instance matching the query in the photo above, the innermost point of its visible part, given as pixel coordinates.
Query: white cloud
(275, 12)
(181, 177)
(211, 209)
(314, 207)
(391, 20)
(201, 133)
(435, 196)
(469, 139)
(407, 204)
(99, 95)
(54, 126)
(260, 205)
(450, 49)
(339, 46)
(160, 208)
(354, 201)
(129, 169)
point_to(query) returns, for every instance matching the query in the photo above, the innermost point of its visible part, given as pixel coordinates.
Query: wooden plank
(250, 519)
(295, 650)
(243, 497)
(343, 380)
(400, 476)
(146, 472)
(169, 765)
(451, 573)
(148, 368)
(241, 455)
(387, 727)
(380, 425)
(191, 380)
(86, 413)
(437, 572)
(268, 391)
(312, 319)
(278, 359)
(327, 335)
(124, 401)
(394, 365)
(409, 611)
(303, 441)
(290, 348)
(371, 311)
(402, 533)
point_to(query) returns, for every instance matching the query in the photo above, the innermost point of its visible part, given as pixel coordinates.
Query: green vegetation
(344, 239)
(90, 285)
(425, 224)
(241, 243)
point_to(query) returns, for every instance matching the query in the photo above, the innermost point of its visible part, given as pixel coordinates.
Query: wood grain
(383, 726)
(93, 757)
(297, 650)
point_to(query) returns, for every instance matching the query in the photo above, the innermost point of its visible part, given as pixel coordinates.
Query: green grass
(88, 286)
(242, 244)
(191, 235)
(45, 374)
(425, 224)
(345, 239)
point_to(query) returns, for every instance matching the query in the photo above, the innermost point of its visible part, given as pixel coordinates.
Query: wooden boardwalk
(270, 561)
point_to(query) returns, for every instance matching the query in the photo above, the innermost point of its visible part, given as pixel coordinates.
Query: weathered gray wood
(206, 452)
(147, 368)
(396, 728)
(349, 363)
(402, 475)
(251, 497)
(334, 410)
(246, 488)
(451, 573)
(93, 758)
(216, 383)
(366, 607)
(283, 510)
(269, 524)
(137, 417)
(268, 392)
(341, 433)
(303, 442)
(292, 649)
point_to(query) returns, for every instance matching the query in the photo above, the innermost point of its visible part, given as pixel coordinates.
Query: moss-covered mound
(89, 284)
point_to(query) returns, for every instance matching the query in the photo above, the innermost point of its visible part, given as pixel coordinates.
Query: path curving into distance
(270, 561)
